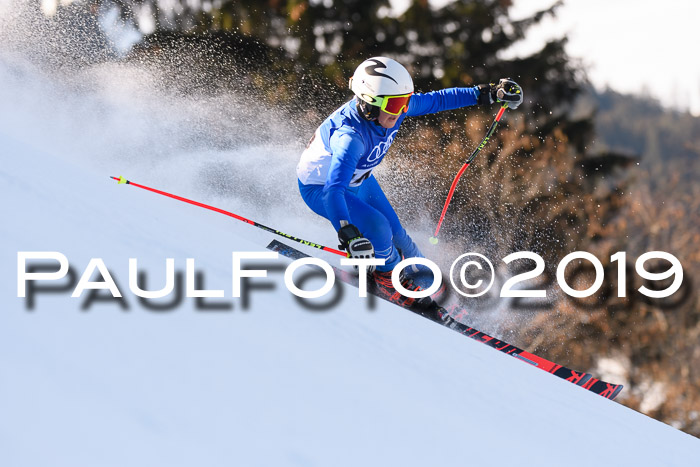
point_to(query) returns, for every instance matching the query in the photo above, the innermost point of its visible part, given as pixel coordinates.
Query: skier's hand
(352, 241)
(506, 91)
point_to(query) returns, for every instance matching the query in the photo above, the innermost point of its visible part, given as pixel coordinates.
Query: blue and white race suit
(335, 171)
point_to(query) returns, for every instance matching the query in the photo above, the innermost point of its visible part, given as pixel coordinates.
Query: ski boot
(385, 289)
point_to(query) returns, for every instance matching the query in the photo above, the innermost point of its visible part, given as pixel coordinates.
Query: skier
(335, 170)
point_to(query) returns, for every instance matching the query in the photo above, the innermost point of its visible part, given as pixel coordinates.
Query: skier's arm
(347, 148)
(444, 99)
(506, 91)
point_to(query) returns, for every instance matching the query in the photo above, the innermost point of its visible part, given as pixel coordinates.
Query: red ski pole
(478, 149)
(123, 180)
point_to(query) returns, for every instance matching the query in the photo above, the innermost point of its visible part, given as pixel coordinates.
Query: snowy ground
(275, 384)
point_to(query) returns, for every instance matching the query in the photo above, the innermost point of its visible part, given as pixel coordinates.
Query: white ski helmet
(379, 76)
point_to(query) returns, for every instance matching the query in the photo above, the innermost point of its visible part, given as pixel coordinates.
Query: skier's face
(387, 120)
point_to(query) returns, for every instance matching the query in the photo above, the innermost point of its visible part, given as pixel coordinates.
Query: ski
(442, 316)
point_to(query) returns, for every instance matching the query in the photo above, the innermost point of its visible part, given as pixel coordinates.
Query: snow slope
(276, 384)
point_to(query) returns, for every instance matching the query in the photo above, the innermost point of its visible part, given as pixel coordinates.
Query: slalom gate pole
(124, 181)
(478, 149)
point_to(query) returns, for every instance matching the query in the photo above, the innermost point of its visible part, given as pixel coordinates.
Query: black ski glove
(352, 241)
(506, 91)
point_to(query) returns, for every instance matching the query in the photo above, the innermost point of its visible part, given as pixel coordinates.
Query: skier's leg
(313, 197)
(375, 226)
(372, 194)
(370, 221)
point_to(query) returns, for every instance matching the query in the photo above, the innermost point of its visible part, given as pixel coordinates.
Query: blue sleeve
(444, 99)
(347, 147)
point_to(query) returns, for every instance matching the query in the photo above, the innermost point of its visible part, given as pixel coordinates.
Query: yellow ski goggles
(393, 105)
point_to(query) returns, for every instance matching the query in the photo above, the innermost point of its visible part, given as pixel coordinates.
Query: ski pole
(123, 180)
(478, 149)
